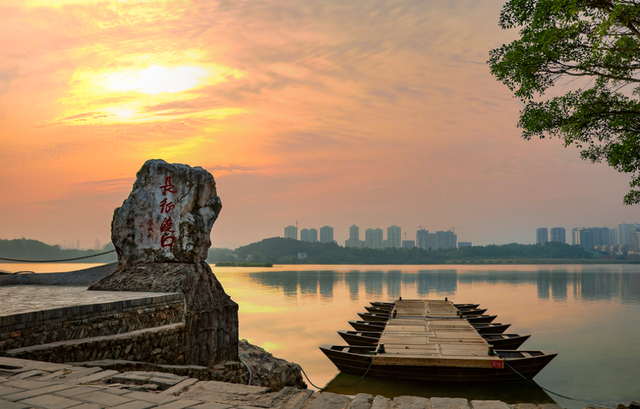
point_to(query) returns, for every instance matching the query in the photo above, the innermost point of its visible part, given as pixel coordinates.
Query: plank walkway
(431, 330)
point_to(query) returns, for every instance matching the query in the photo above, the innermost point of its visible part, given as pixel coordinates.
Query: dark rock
(267, 370)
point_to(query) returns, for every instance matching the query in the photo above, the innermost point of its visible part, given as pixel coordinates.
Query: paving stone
(51, 402)
(489, 404)
(151, 397)
(95, 377)
(210, 405)
(88, 406)
(52, 375)
(328, 400)
(29, 393)
(380, 402)
(549, 406)
(361, 401)
(78, 390)
(526, 406)
(159, 378)
(78, 372)
(115, 389)
(179, 404)
(103, 398)
(232, 388)
(5, 404)
(411, 402)
(136, 404)
(452, 403)
(28, 384)
(178, 388)
(3, 379)
(28, 374)
(6, 390)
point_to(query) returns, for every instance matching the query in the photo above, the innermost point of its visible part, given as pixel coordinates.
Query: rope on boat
(552, 392)
(309, 380)
(249, 384)
(365, 374)
(19, 260)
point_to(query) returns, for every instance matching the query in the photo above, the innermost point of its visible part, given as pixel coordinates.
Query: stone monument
(161, 235)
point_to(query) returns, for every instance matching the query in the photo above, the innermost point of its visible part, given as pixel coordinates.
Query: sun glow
(156, 79)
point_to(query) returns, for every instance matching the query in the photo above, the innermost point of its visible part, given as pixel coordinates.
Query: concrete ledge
(80, 277)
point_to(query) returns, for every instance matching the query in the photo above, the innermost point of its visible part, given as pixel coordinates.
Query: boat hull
(486, 328)
(505, 341)
(360, 338)
(356, 361)
(367, 325)
(480, 319)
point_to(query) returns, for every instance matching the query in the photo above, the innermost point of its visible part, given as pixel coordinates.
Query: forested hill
(284, 251)
(36, 250)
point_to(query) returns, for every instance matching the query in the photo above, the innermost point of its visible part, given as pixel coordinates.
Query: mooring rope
(309, 380)
(249, 384)
(554, 393)
(19, 260)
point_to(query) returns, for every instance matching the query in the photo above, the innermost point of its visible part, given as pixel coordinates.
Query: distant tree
(595, 44)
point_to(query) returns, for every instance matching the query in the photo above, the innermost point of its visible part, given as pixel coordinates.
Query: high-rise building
(542, 235)
(291, 232)
(354, 238)
(623, 232)
(575, 237)
(373, 238)
(634, 240)
(613, 237)
(394, 237)
(421, 238)
(408, 244)
(326, 234)
(464, 244)
(309, 235)
(558, 234)
(446, 239)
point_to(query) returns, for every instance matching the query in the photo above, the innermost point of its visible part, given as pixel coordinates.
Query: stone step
(157, 345)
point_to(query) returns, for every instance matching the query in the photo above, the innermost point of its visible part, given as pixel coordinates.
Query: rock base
(211, 317)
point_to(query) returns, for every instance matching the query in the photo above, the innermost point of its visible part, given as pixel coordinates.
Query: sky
(374, 113)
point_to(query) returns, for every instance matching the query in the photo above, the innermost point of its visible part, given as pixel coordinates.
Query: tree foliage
(592, 46)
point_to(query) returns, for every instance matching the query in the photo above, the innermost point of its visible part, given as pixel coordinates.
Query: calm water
(590, 315)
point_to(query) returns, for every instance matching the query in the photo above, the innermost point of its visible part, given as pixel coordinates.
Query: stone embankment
(32, 384)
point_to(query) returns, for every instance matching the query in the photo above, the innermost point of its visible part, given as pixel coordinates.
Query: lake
(589, 314)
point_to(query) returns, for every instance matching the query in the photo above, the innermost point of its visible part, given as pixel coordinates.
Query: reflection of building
(542, 235)
(354, 238)
(291, 232)
(326, 234)
(309, 235)
(558, 234)
(373, 238)
(394, 236)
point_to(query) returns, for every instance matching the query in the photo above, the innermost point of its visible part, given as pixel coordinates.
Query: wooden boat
(462, 307)
(367, 316)
(481, 319)
(505, 341)
(492, 328)
(361, 338)
(362, 360)
(379, 304)
(472, 312)
(430, 340)
(378, 310)
(367, 325)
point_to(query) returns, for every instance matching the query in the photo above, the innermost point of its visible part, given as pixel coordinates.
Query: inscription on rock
(168, 215)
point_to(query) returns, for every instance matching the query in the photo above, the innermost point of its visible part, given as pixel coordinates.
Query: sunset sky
(334, 113)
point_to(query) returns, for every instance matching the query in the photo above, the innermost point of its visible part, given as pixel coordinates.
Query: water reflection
(550, 284)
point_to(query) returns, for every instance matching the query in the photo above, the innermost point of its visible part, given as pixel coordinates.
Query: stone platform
(41, 385)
